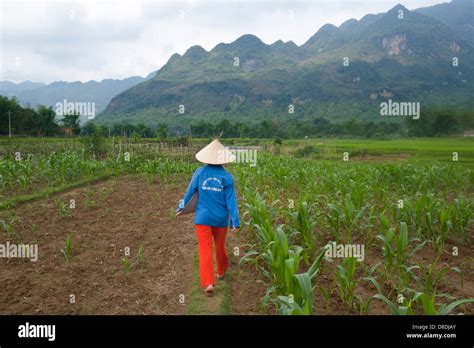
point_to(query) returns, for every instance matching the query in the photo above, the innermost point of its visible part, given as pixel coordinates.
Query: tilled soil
(128, 212)
(108, 218)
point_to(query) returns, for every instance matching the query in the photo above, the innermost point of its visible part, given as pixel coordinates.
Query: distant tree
(71, 120)
(444, 124)
(264, 130)
(225, 128)
(46, 121)
(162, 131)
(91, 128)
(352, 127)
(88, 129)
(127, 129)
(7, 105)
(103, 130)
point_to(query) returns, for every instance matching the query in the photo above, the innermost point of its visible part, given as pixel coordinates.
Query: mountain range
(339, 73)
(99, 92)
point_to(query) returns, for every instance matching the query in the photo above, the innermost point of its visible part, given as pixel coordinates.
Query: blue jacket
(217, 202)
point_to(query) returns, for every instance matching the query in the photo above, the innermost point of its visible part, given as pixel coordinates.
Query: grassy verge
(45, 193)
(219, 303)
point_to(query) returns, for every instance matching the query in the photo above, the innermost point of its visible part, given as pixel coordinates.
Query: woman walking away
(216, 208)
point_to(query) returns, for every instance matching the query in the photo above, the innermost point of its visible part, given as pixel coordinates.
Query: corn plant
(67, 250)
(346, 281)
(407, 305)
(462, 211)
(125, 265)
(8, 227)
(357, 193)
(404, 305)
(275, 255)
(325, 294)
(427, 208)
(445, 226)
(63, 208)
(151, 168)
(281, 261)
(431, 275)
(90, 202)
(395, 248)
(304, 224)
(334, 217)
(140, 258)
(364, 305)
(299, 294)
(403, 308)
(261, 219)
(430, 308)
(257, 209)
(351, 216)
(288, 305)
(106, 192)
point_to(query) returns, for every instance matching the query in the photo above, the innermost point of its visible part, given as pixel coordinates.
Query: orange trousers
(205, 235)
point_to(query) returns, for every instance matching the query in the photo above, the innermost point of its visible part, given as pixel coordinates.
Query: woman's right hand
(233, 233)
(180, 207)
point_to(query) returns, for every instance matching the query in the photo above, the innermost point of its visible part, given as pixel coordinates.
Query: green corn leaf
(445, 310)
(393, 307)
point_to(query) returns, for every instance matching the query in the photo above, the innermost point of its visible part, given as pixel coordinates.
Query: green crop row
(296, 207)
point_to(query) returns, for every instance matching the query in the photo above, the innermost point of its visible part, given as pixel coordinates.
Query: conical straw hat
(215, 153)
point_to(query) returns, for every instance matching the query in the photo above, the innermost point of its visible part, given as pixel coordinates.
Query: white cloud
(67, 40)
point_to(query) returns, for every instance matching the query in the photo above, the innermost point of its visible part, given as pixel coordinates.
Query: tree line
(43, 121)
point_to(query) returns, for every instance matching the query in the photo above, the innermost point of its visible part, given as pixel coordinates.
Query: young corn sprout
(334, 218)
(396, 252)
(140, 258)
(67, 250)
(63, 208)
(304, 224)
(351, 216)
(125, 265)
(299, 300)
(346, 281)
(431, 308)
(461, 215)
(8, 227)
(90, 202)
(432, 274)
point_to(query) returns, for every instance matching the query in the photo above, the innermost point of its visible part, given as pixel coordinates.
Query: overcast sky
(48, 41)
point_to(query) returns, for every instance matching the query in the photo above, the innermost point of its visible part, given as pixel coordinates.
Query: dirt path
(232, 295)
(108, 218)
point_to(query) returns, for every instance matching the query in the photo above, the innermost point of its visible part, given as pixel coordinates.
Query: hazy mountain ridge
(37, 93)
(9, 89)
